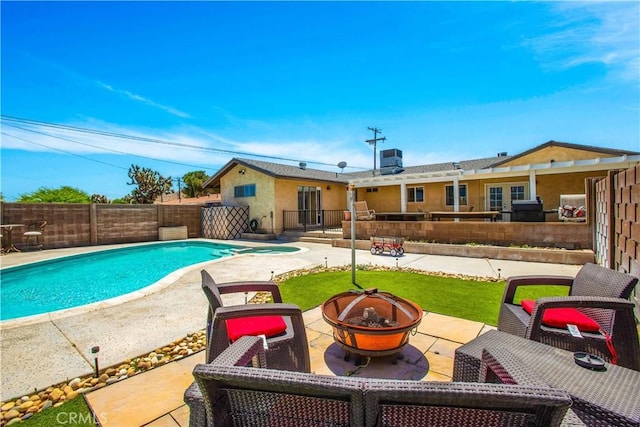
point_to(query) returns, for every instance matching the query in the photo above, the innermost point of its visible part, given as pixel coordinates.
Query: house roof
(278, 170)
(552, 143)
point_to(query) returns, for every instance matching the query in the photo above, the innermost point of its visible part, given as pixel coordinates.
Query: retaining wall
(542, 234)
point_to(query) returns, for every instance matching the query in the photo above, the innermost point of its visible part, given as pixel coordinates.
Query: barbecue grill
(527, 211)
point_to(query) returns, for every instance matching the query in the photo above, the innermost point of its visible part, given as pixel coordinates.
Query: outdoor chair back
(237, 390)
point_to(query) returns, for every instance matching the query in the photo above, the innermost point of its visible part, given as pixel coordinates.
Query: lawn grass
(452, 296)
(75, 412)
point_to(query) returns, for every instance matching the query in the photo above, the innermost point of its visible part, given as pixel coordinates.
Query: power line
(65, 152)
(7, 118)
(93, 146)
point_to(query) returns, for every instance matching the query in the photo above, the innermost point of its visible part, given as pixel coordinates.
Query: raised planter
(555, 256)
(173, 233)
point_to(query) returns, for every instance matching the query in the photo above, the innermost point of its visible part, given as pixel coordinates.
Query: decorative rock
(24, 398)
(103, 378)
(35, 397)
(26, 405)
(48, 404)
(94, 381)
(27, 416)
(57, 405)
(14, 421)
(112, 380)
(75, 383)
(154, 360)
(67, 389)
(56, 394)
(122, 372)
(7, 406)
(71, 395)
(11, 414)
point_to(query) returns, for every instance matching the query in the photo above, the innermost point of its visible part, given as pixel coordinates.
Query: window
(517, 192)
(415, 194)
(248, 190)
(462, 195)
(372, 190)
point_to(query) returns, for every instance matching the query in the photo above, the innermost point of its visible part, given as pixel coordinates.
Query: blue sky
(188, 84)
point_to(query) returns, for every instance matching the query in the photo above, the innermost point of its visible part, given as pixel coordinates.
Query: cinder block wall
(543, 234)
(70, 225)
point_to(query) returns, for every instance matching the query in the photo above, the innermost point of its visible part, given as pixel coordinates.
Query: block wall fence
(72, 225)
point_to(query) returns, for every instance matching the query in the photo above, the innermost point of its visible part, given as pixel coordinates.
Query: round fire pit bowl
(371, 323)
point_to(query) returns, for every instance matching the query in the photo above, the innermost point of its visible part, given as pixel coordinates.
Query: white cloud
(138, 98)
(592, 32)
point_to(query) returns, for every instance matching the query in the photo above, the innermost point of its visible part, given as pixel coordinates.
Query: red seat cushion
(560, 317)
(270, 326)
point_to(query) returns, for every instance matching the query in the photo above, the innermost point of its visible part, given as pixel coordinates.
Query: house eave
(573, 166)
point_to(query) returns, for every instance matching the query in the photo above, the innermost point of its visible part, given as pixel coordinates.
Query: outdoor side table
(9, 237)
(600, 398)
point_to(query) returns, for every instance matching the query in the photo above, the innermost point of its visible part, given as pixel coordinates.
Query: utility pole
(374, 142)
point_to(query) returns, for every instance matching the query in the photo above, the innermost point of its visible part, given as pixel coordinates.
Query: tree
(99, 198)
(150, 184)
(193, 183)
(64, 194)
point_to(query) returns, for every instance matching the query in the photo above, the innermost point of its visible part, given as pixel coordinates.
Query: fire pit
(371, 323)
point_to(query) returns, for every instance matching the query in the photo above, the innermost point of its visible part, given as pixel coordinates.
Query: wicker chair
(235, 394)
(287, 351)
(600, 293)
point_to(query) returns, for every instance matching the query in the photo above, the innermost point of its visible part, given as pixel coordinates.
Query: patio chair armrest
(251, 286)
(533, 280)
(195, 401)
(242, 353)
(498, 364)
(545, 303)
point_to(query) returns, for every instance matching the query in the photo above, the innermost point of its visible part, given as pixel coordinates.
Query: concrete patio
(161, 389)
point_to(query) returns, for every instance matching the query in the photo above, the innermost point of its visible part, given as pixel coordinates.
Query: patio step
(320, 236)
(316, 240)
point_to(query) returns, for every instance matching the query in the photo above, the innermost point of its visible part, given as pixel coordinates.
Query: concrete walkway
(53, 348)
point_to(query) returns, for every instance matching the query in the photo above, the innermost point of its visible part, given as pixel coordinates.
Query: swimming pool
(77, 280)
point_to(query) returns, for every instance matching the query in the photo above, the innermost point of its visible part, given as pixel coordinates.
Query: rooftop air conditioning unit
(390, 161)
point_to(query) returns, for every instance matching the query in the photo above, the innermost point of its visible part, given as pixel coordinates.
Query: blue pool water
(83, 279)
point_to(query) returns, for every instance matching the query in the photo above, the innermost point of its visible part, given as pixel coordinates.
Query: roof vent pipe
(303, 165)
(502, 154)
